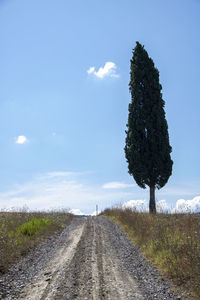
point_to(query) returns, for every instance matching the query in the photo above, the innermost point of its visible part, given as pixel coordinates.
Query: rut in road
(91, 259)
(85, 268)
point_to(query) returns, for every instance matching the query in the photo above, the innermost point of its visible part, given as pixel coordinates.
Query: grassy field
(21, 231)
(171, 242)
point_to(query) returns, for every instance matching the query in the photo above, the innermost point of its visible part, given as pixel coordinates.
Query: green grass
(171, 242)
(34, 227)
(22, 231)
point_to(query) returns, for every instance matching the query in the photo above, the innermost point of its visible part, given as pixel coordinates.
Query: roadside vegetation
(171, 242)
(22, 231)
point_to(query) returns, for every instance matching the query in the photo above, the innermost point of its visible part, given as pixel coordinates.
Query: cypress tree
(147, 147)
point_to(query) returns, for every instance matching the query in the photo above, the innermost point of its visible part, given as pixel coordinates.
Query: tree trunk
(152, 203)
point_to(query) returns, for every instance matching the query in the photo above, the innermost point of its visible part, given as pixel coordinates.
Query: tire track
(94, 260)
(44, 285)
(116, 282)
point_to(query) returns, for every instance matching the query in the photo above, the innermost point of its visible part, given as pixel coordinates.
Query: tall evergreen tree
(147, 147)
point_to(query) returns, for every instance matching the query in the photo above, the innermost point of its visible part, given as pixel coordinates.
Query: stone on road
(91, 259)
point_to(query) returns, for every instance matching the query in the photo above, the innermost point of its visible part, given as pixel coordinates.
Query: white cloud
(162, 207)
(91, 70)
(68, 190)
(21, 139)
(188, 206)
(138, 205)
(56, 190)
(182, 206)
(117, 185)
(143, 205)
(109, 69)
(77, 212)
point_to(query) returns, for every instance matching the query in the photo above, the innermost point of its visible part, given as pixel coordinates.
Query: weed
(171, 242)
(21, 231)
(33, 227)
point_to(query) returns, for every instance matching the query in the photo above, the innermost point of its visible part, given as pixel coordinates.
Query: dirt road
(93, 259)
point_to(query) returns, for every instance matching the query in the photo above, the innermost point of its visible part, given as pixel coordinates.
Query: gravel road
(90, 259)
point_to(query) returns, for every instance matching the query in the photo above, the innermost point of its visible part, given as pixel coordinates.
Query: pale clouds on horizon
(108, 70)
(188, 206)
(76, 211)
(69, 190)
(138, 205)
(181, 206)
(56, 190)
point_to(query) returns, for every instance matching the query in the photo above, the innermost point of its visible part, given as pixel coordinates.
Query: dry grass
(171, 242)
(21, 231)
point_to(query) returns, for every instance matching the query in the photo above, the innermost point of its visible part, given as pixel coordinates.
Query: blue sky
(64, 74)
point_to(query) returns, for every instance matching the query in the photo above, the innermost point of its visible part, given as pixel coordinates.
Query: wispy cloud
(60, 190)
(91, 70)
(109, 70)
(179, 191)
(21, 139)
(117, 185)
(57, 174)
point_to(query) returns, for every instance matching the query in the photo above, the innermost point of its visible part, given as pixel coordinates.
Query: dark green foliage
(147, 146)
